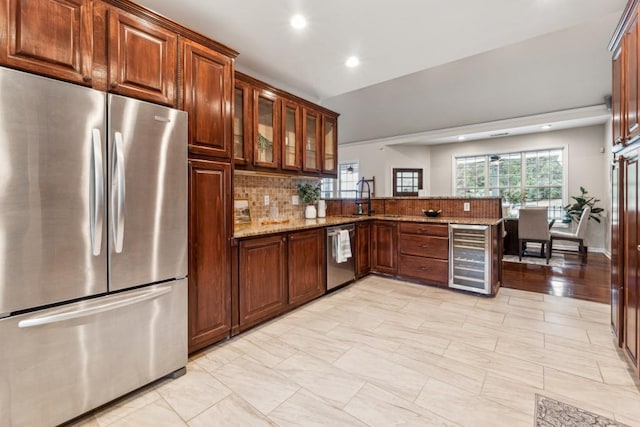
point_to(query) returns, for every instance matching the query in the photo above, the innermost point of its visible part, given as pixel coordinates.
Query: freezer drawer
(65, 361)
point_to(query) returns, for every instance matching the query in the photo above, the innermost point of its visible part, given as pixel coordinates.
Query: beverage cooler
(470, 258)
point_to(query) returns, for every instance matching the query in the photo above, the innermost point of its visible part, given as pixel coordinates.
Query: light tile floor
(383, 352)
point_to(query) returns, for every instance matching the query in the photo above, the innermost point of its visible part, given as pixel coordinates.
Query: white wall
(587, 165)
(377, 159)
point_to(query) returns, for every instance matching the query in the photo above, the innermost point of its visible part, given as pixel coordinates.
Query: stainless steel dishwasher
(339, 273)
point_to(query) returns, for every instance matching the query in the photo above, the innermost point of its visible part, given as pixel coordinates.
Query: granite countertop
(255, 229)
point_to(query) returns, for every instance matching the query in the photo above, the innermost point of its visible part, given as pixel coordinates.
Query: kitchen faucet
(359, 201)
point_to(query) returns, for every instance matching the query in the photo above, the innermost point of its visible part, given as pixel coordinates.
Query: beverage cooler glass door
(469, 260)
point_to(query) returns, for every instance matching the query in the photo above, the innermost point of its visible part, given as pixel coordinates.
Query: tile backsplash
(279, 190)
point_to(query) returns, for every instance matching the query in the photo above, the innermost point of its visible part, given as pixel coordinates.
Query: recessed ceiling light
(298, 22)
(545, 127)
(352, 61)
(461, 138)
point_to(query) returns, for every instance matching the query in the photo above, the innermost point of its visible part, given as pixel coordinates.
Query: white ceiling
(424, 40)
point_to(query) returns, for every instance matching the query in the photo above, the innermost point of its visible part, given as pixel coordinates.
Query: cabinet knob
(114, 85)
(86, 78)
(638, 248)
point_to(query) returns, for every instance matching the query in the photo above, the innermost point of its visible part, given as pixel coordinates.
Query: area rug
(555, 261)
(552, 413)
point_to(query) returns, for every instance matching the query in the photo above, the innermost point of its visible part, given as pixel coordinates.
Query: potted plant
(309, 194)
(516, 199)
(574, 210)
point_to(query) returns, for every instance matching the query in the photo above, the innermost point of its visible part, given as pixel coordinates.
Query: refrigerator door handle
(120, 191)
(96, 197)
(113, 304)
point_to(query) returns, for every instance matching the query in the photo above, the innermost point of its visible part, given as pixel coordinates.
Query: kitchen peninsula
(278, 267)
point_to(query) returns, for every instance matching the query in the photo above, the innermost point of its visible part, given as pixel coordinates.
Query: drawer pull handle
(425, 268)
(424, 246)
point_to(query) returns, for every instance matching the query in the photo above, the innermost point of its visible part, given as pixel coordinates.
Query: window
(348, 177)
(528, 178)
(345, 186)
(470, 176)
(407, 182)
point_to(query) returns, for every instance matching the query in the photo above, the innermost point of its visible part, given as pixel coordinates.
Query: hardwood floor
(589, 281)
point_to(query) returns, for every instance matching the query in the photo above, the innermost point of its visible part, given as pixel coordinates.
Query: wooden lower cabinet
(306, 266)
(385, 255)
(429, 270)
(262, 284)
(617, 250)
(363, 248)
(209, 252)
(630, 327)
(424, 252)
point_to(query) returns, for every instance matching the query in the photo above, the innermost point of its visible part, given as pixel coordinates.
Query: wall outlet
(295, 200)
(467, 206)
(266, 200)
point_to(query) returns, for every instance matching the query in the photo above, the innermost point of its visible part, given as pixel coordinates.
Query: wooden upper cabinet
(329, 144)
(266, 129)
(50, 37)
(616, 98)
(277, 130)
(242, 120)
(142, 59)
(208, 91)
(311, 137)
(292, 135)
(631, 75)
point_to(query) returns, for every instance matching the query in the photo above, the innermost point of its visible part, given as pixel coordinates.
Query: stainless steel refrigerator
(93, 247)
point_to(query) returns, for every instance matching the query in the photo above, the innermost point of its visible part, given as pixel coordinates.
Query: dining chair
(533, 227)
(576, 236)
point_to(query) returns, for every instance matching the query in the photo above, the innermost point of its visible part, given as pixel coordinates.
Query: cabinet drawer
(439, 230)
(424, 246)
(430, 270)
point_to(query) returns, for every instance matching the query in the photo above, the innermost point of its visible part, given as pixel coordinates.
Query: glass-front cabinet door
(330, 151)
(266, 125)
(291, 156)
(311, 139)
(242, 124)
